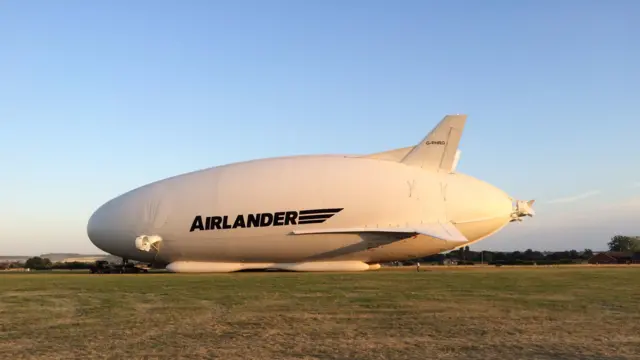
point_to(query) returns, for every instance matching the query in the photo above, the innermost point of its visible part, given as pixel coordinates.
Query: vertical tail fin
(455, 161)
(438, 149)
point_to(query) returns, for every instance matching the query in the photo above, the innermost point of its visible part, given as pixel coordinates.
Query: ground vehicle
(104, 267)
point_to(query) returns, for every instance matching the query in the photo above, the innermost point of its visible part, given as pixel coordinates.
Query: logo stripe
(303, 222)
(315, 217)
(320, 211)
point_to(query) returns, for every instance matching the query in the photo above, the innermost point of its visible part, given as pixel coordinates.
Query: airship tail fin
(391, 155)
(438, 149)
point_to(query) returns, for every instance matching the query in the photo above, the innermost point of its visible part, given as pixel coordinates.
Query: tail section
(391, 155)
(522, 209)
(455, 160)
(438, 149)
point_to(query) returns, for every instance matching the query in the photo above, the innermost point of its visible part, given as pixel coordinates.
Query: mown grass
(506, 313)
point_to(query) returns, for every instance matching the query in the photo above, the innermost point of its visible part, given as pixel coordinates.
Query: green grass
(506, 313)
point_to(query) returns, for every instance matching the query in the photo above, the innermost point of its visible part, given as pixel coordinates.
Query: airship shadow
(369, 241)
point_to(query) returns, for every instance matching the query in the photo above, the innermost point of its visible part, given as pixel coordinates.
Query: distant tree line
(461, 256)
(39, 263)
(465, 256)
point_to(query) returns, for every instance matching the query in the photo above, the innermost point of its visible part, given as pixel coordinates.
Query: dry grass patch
(543, 313)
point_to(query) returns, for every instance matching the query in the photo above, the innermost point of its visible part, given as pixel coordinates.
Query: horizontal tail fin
(446, 231)
(391, 155)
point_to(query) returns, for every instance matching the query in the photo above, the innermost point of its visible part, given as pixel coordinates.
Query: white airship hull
(303, 213)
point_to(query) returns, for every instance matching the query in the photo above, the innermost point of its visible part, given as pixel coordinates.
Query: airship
(309, 212)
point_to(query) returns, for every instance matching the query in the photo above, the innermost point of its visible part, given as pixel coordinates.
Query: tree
(624, 243)
(38, 263)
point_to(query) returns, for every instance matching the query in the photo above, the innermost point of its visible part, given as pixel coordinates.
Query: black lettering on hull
(254, 220)
(239, 223)
(197, 223)
(266, 219)
(290, 218)
(225, 222)
(215, 222)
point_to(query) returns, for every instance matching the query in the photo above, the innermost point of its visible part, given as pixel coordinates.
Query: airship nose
(107, 230)
(478, 209)
(115, 226)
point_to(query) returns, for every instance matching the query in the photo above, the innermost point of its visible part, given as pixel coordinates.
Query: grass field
(486, 313)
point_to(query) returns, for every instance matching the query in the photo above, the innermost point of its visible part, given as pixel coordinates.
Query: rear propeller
(521, 209)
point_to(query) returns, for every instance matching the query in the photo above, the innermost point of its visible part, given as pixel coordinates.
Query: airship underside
(309, 213)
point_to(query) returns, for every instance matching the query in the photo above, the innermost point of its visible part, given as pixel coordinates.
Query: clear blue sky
(97, 98)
